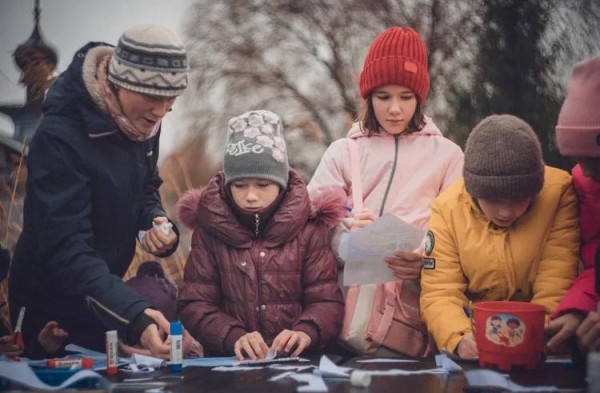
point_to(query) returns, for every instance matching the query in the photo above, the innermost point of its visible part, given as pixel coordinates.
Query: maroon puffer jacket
(235, 283)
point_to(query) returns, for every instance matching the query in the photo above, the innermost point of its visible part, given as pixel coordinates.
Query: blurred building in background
(37, 63)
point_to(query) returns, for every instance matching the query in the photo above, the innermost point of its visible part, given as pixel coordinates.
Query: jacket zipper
(389, 185)
(256, 224)
(258, 291)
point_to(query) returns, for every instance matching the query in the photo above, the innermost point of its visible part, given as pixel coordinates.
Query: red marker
(17, 334)
(72, 363)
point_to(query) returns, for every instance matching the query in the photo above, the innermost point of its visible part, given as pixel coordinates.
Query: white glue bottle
(176, 330)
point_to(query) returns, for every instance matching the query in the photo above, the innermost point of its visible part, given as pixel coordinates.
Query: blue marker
(176, 347)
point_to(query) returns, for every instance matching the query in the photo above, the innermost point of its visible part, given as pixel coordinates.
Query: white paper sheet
(328, 369)
(210, 362)
(150, 361)
(386, 360)
(447, 364)
(364, 250)
(397, 371)
(314, 383)
(488, 378)
(20, 373)
(235, 368)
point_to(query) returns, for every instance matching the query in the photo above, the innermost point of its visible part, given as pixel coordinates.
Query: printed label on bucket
(505, 329)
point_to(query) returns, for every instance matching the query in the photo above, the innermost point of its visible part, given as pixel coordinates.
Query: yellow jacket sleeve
(443, 285)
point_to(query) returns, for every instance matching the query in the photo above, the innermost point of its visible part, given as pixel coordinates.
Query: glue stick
(111, 352)
(176, 346)
(72, 363)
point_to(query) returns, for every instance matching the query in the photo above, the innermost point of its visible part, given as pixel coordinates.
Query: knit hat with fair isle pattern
(150, 60)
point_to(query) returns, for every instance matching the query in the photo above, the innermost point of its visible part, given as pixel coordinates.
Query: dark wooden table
(200, 379)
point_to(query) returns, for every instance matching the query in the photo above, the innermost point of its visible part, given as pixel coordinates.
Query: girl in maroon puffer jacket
(260, 274)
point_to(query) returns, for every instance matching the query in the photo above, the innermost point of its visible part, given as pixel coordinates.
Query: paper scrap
(150, 361)
(235, 368)
(282, 367)
(280, 376)
(209, 362)
(20, 373)
(328, 369)
(492, 379)
(364, 251)
(314, 383)
(447, 364)
(386, 360)
(396, 371)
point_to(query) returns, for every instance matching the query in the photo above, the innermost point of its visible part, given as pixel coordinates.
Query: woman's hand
(157, 242)
(153, 337)
(52, 337)
(8, 348)
(362, 219)
(289, 340)
(252, 344)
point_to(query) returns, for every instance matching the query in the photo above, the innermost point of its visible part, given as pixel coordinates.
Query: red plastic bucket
(509, 334)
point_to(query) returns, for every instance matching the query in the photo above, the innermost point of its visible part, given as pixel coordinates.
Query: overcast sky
(67, 25)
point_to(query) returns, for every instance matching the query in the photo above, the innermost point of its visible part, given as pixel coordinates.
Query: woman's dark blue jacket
(89, 191)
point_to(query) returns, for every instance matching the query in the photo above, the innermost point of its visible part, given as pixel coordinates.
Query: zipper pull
(256, 224)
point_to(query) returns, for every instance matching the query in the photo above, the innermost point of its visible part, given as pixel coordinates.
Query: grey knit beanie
(256, 148)
(503, 160)
(151, 60)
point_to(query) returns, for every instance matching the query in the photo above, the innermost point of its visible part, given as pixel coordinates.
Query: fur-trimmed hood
(208, 208)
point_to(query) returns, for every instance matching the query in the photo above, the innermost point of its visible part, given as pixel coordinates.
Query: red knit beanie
(397, 56)
(578, 128)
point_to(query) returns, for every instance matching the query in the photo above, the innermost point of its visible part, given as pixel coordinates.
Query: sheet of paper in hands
(364, 250)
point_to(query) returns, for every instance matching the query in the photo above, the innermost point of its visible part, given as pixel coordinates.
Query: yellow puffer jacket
(535, 259)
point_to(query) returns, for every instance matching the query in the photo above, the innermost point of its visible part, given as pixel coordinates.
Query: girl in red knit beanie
(402, 161)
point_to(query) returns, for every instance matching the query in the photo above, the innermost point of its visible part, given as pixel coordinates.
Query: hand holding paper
(365, 251)
(406, 265)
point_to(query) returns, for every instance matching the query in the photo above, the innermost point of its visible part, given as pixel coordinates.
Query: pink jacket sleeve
(333, 170)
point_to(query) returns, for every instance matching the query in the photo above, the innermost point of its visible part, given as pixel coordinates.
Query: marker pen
(18, 334)
(176, 330)
(73, 363)
(111, 352)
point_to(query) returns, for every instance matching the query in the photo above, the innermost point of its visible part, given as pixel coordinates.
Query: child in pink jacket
(578, 136)
(404, 159)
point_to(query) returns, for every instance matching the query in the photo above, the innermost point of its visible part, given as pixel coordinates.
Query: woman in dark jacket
(92, 189)
(260, 273)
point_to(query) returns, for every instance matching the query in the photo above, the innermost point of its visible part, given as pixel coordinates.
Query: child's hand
(467, 348)
(290, 339)
(588, 333)
(253, 344)
(406, 265)
(362, 219)
(8, 348)
(52, 337)
(560, 330)
(156, 241)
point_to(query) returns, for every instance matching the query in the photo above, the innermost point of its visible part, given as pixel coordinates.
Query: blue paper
(210, 362)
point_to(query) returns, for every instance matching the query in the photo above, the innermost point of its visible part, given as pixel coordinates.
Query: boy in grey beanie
(507, 231)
